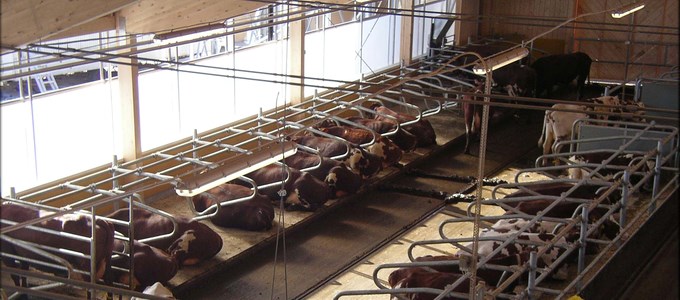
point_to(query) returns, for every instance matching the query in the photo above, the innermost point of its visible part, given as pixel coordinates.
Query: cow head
(309, 192)
(342, 181)
(195, 245)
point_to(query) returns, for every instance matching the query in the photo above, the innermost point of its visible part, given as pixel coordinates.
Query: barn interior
(152, 105)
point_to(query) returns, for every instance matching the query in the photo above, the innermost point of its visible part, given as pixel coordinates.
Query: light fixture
(500, 60)
(235, 167)
(627, 9)
(190, 33)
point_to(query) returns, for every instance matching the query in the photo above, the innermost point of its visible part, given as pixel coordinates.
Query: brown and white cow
(303, 191)
(69, 223)
(557, 125)
(339, 178)
(551, 254)
(402, 138)
(255, 214)
(151, 264)
(422, 129)
(358, 160)
(607, 172)
(388, 152)
(191, 243)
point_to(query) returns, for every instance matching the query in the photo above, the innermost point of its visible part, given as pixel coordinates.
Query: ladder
(45, 82)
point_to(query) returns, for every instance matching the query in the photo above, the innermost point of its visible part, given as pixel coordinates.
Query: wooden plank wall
(610, 50)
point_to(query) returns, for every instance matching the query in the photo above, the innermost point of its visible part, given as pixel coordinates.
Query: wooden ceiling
(29, 21)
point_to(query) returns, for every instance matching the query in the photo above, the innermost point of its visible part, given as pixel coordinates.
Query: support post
(296, 58)
(406, 43)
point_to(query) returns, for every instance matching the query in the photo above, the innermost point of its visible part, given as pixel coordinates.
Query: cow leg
(467, 117)
(548, 142)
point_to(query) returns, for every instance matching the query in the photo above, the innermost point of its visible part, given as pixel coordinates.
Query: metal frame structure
(664, 176)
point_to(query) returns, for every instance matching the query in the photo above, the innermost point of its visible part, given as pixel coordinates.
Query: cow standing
(562, 69)
(557, 125)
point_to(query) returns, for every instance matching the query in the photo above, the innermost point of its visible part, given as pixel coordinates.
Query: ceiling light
(500, 60)
(628, 9)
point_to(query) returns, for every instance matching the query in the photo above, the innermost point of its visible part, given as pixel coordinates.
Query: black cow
(517, 80)
(562, 69)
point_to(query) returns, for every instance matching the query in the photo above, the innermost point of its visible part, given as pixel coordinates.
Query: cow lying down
(191, 243)
(256, 213)
(303, 191)
(69, 223)
(416, 277)
(151, 265)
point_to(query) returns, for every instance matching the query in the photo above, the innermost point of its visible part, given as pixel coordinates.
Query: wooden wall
(653, 32)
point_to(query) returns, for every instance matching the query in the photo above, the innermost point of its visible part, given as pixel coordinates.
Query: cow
(406, 141)
(339, 178)
(151, 264)
(472, 116)
(416, 277)
(386, 150)
(496, 238)
(422, 129)
(561, 69)
(191, 242)
(557, 125)
(489, 275)
(71, 223)
(608, 172)
(516, 80)
(255, 214)
(358, 160)
(303, 191)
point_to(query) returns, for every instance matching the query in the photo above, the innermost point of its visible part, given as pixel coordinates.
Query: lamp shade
(498, 61)
(628, 9)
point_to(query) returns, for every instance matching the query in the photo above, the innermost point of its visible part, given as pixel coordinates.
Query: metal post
(624, 198)
(657, 176)
(114, 182)
(533, 261)
(582, 240)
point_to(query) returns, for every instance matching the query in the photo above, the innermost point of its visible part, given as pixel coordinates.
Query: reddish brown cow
(191, 243)
(382, 147)
(254, 214)
(151, 265)
(70, 223)
(490, 276)
(422, 129)
(358, 160)
(340, 179)
(402, 138)
(303, 191)
(417, 277)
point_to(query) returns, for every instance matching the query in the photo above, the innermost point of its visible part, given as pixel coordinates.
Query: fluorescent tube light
(190, 33)
(498, 61)
(235, 167)
(628, 9)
